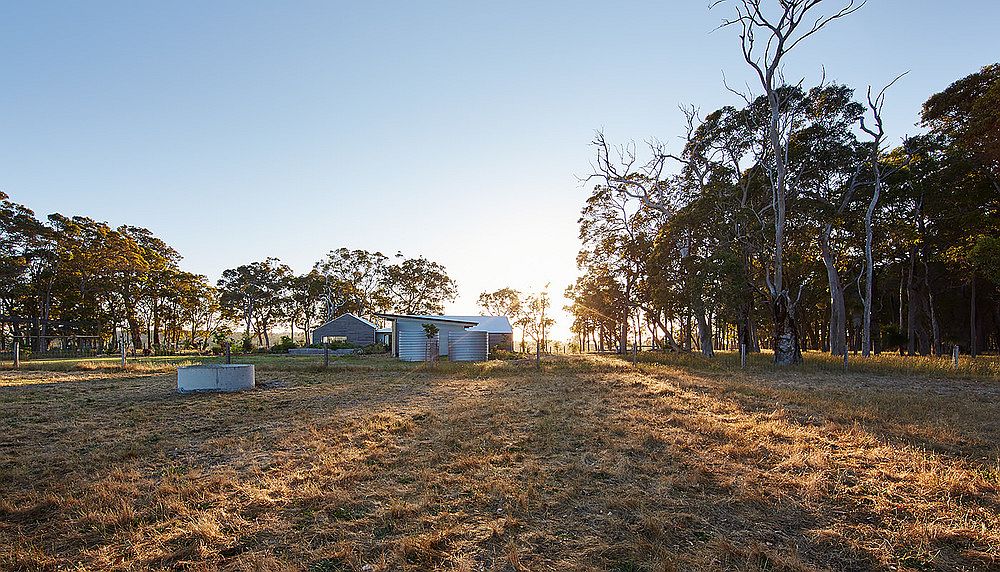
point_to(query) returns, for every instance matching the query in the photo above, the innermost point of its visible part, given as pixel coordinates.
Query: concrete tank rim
(216, 366)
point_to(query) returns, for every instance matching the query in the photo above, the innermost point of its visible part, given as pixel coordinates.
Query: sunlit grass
(987, 367)
(591, 463)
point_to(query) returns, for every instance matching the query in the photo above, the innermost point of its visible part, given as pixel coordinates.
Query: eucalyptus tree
(306, 295)
(535, 316)
(25, 245)
(832, 175)
(502, 302)
(156, 275)
(505, 302)
(965, 115)
(356, 280)
(596, 302)
(617, 233)
(418, 286)
(255, 294)
(768, 32)
(880, 172)
(198, 303)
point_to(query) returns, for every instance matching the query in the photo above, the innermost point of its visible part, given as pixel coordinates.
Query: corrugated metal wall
(468, 346)
(412, 345)
(444, 329)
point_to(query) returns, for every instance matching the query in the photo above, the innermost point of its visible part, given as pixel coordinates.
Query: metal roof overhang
(426, 319)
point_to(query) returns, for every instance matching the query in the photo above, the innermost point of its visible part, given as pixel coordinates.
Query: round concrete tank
(215, 377)
(468, 346)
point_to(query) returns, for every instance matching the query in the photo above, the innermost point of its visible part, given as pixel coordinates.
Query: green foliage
(374, 349)
(967, 114)
(282, 347)
(985, 257)
(430, 330)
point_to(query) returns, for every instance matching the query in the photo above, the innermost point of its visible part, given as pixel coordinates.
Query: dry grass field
(590, 464)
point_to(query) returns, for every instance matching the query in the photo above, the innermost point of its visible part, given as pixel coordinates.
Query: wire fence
(53, 347)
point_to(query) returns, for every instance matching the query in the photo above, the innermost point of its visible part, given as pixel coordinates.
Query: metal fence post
(326, 355)
(954, 356)
(17, 355)
(845, 359)
(743, 356)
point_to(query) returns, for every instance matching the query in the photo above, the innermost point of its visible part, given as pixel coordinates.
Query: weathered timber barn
(470, 337)
(346, 328)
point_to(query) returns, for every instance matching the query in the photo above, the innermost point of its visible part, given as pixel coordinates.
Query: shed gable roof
(358, 318)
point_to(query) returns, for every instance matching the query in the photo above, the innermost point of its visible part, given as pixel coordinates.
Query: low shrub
(502, 354)
(284, 345)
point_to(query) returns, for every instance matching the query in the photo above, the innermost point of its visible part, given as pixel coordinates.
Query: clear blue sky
(455, 130)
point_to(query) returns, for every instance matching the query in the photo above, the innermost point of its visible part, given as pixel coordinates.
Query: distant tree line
(262, 294)
(528, 313)
(791, 223)
(82, 282)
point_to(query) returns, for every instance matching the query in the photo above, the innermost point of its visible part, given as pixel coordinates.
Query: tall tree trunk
(786, 331)
(704, 334)
(866, 333)
(156, 324)
(902, 291)
(623, 337)
(838, 309)
(924, 255)
(911, 309)
(686, 332)
(973, 329)
(133, 327)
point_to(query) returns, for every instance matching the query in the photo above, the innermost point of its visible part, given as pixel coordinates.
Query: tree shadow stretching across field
(590, 464)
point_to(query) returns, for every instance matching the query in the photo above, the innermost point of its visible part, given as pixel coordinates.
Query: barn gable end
(358, 331)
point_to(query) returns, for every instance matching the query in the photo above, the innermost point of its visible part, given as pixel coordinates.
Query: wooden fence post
(845, 359)
(954, 356)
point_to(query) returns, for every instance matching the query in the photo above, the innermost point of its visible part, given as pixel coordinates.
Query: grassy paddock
(986, 367)
(676, 464)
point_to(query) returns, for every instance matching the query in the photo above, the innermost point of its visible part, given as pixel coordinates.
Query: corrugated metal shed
(497, 329)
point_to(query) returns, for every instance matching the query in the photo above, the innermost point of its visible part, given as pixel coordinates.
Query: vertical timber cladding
(468, 346)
